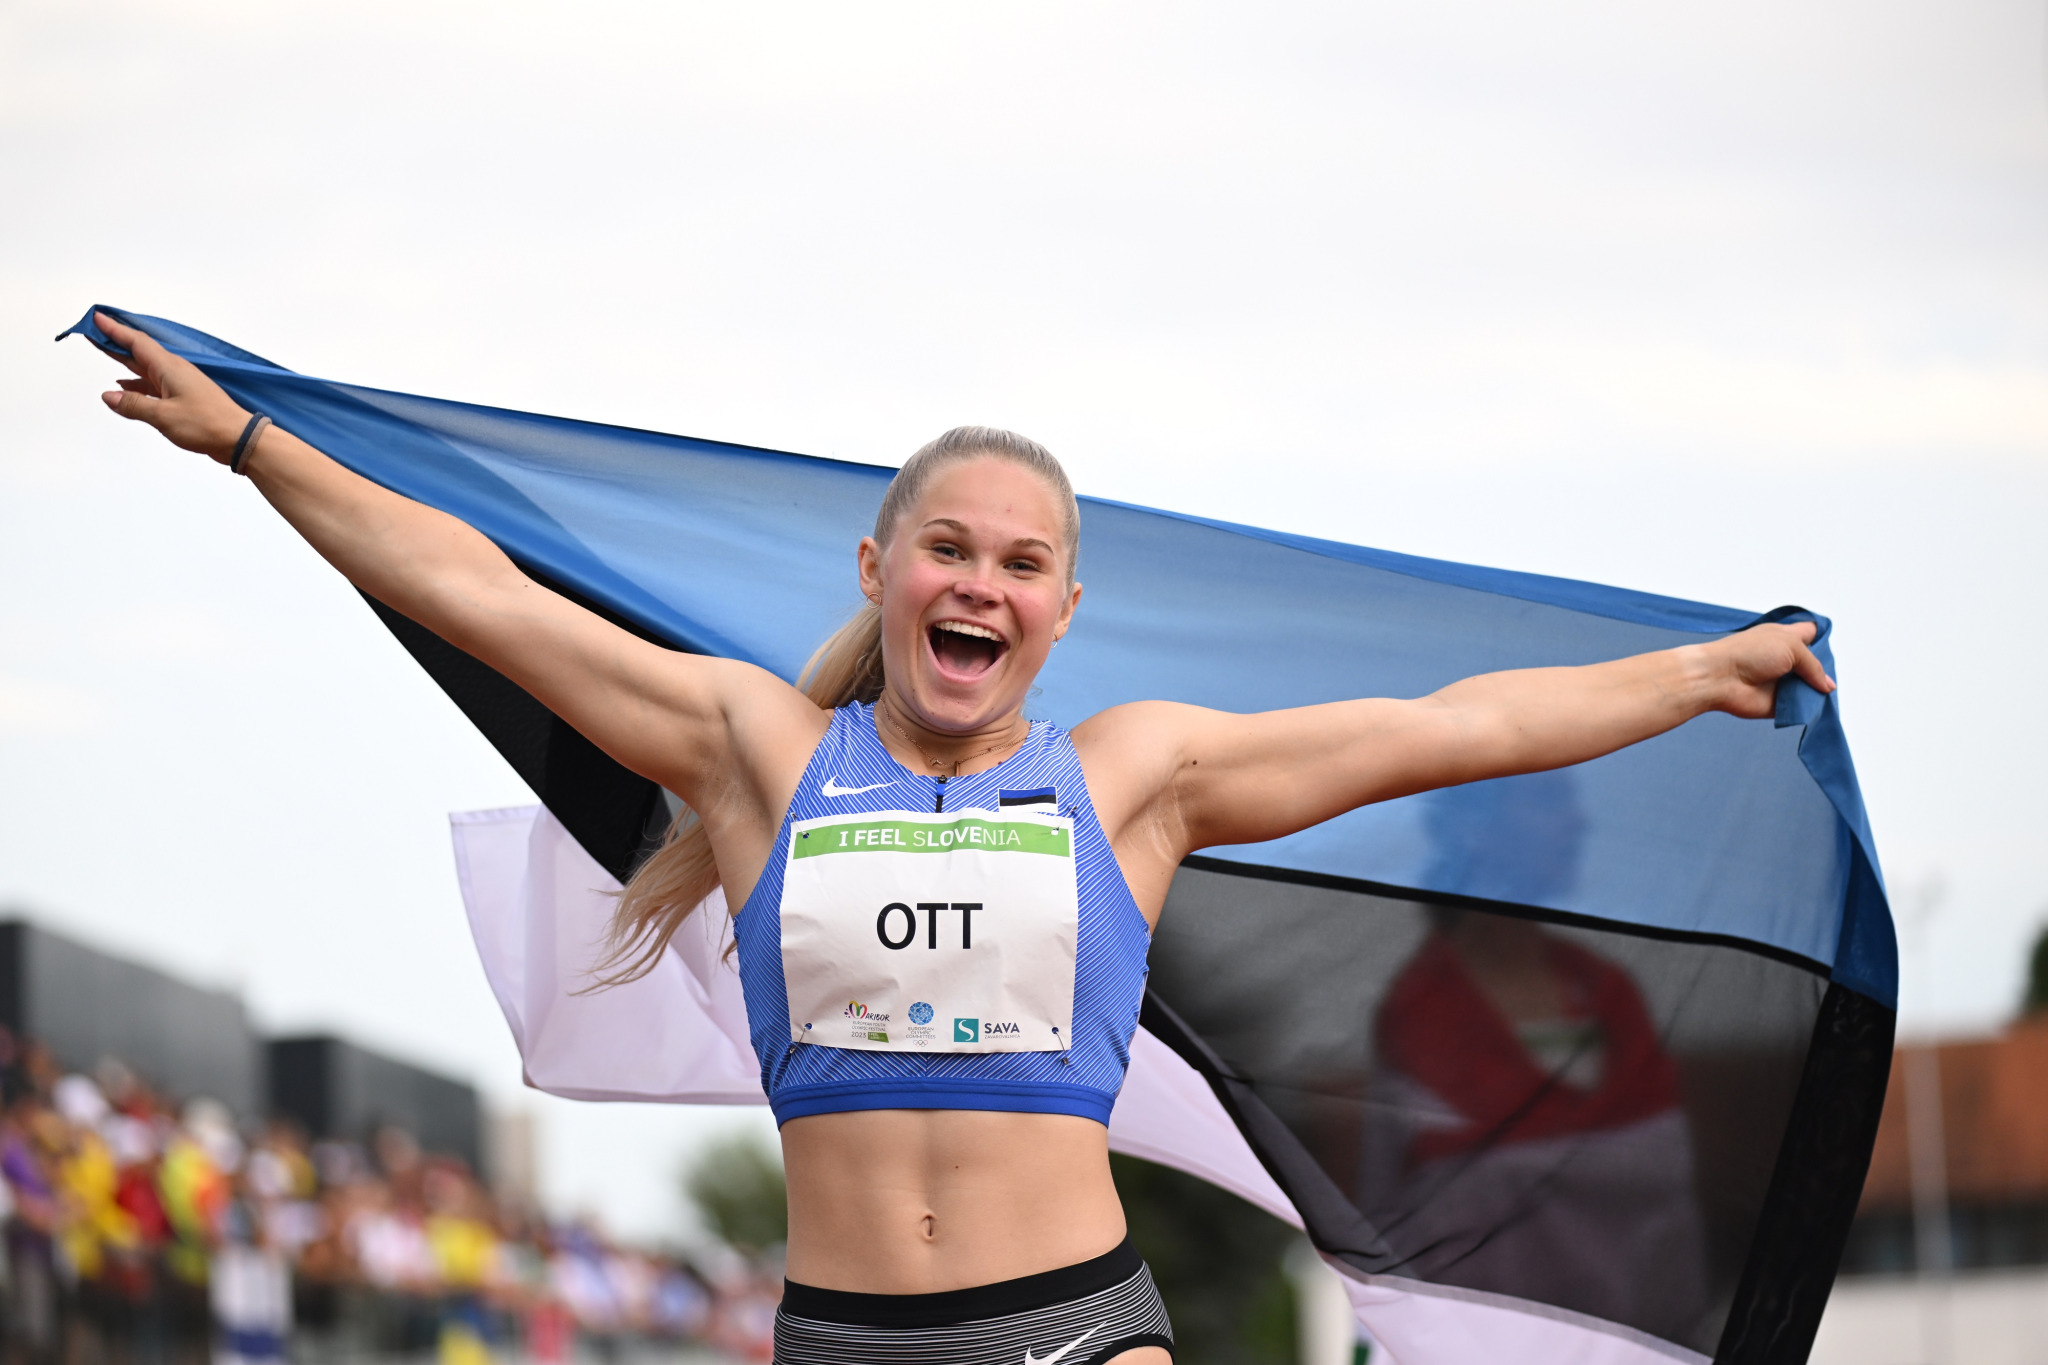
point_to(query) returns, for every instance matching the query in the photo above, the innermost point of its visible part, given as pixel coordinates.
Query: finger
(149, 358)
(1807, 631)
(116, 331)
(136, 407)
(121, 334)
(1807, 665)
(137, 386)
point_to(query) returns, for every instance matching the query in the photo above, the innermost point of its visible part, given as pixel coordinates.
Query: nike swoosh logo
(832, 788)
(1030, 1359)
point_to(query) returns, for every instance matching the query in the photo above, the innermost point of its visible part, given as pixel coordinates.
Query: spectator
(138, 1234)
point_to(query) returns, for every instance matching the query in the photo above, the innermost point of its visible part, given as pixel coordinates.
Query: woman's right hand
(172, 395)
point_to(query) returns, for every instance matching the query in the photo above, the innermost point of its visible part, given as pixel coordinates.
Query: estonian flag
(1584, 1065)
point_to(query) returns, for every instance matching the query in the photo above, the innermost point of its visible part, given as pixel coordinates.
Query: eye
(1023, 566)
(945, 549)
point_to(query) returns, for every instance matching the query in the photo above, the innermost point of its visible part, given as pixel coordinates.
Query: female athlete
(944, 907)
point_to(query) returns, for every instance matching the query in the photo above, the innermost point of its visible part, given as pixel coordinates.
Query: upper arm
(1248, 778)
(710, 730)
(1177, 778)
(688, 722)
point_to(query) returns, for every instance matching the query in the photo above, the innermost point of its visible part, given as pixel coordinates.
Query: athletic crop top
(941, 943)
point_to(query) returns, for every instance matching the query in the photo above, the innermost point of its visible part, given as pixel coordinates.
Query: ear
(869, 558)
(1066, 618)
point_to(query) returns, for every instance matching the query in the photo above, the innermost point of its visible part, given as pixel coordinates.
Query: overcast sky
(1743, 302)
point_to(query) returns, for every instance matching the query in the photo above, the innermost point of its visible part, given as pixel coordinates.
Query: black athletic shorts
(1077, 1315)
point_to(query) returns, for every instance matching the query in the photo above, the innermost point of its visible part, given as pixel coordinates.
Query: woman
(944, 907)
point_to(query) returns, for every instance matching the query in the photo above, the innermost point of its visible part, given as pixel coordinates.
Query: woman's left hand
(1750, 663)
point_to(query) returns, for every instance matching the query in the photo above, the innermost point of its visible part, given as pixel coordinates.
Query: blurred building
(1994, 1134)
(134, 1207)
(85, 1004)
(186, 1041)
(335, 1089)
(1984, 1188)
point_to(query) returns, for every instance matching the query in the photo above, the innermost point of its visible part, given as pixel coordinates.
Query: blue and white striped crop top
(888, 985)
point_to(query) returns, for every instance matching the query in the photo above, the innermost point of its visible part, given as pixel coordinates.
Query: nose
(978, 587)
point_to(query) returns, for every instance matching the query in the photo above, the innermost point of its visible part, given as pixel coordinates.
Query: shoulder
(1131, 755)
(1143, 725)
(1155, 738)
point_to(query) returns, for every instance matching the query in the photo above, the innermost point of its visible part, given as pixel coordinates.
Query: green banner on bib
(952, 836)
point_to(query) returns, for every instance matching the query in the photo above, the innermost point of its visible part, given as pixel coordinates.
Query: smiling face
(973, 588)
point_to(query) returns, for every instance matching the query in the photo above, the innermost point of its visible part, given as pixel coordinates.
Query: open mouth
(964, 649)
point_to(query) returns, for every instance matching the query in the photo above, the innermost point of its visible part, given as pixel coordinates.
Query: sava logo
(977, 1030)
(856, 1010)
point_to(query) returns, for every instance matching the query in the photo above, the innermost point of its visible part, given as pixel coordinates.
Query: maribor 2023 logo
(869, 1026)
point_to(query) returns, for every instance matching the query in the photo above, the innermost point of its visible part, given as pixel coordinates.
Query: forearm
(1532, 719)
(411, 557)
(641, 703)
(419, 561)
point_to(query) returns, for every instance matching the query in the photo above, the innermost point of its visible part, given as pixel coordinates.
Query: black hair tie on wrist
(250, 435)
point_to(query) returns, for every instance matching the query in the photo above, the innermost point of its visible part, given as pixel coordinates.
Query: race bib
(907, 932)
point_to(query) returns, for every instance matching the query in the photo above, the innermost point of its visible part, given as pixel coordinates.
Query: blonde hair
(677, 877)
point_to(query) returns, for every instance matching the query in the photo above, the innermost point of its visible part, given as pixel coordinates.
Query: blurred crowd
(144, 1232)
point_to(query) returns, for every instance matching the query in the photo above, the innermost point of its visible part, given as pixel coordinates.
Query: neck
(947, 753)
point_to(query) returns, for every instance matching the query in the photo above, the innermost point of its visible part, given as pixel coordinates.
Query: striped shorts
(1077, 1315)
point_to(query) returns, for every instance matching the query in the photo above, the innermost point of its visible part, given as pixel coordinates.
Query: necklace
(897, 726)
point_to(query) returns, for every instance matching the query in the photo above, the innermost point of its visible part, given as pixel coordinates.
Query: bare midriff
(918, 1201)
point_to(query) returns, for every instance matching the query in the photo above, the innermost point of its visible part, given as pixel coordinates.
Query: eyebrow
(965, 530)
